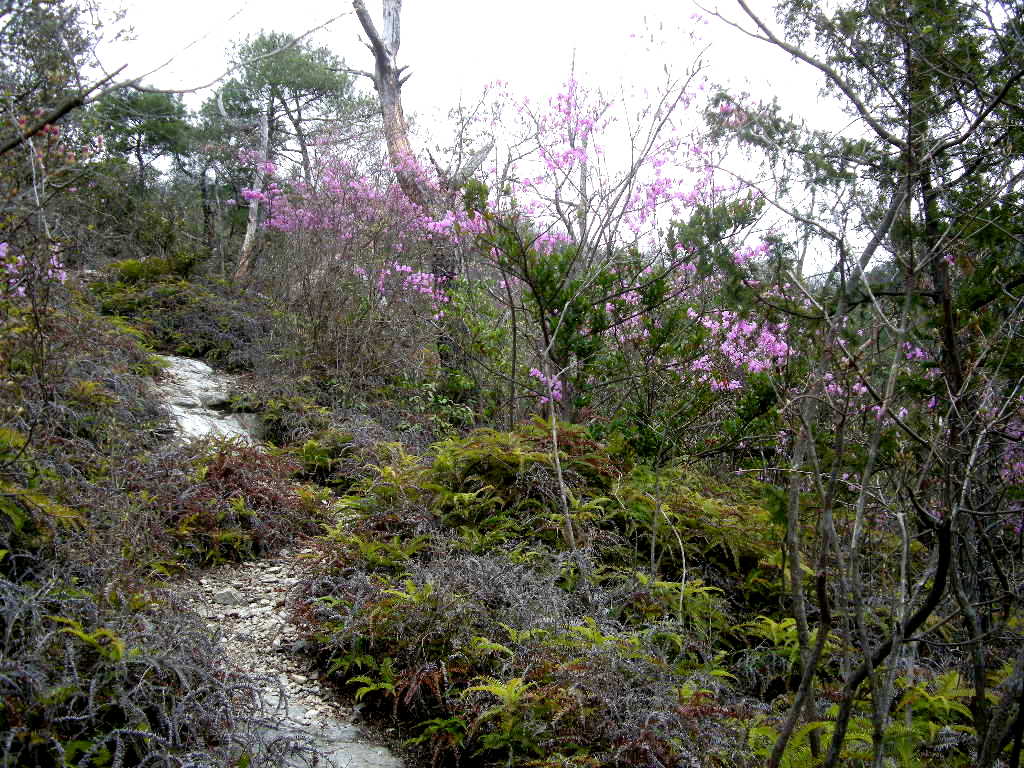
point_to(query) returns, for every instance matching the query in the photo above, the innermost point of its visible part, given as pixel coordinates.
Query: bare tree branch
(829, 72)
(68, 105)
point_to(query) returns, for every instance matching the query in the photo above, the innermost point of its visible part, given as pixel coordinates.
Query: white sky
(455, 47)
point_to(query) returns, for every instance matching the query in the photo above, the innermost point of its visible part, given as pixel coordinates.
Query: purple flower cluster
(741, 347)
(17, 270)
(552, 383)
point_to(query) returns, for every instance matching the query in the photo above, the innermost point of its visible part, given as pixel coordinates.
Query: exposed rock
(190, 389)
(261, 640)
(229, 596)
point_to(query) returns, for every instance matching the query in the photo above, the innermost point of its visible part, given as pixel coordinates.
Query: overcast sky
(455, 47)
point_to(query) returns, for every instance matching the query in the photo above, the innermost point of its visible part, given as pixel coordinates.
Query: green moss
(135, 271)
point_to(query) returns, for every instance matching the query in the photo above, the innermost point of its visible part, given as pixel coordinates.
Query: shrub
(134, 271)
(181, 317)
(216, 501)
(122, 679)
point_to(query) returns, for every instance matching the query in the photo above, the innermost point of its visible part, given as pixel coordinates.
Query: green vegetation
(600, 466)
(446, 594)
(100, 665)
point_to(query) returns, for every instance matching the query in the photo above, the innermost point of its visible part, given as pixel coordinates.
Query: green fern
(385, 682)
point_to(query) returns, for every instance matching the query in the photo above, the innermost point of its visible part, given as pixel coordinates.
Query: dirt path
(246, 604)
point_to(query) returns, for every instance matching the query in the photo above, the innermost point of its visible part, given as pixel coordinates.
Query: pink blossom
(552, 383)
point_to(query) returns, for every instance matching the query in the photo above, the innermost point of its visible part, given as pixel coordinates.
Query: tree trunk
(244, 269)
(388, 81)
(296, 120)
(140, 161)
(209, 227)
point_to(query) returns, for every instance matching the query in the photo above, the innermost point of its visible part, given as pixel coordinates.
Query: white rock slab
(341, 744)
(190, 390)
(300, 710)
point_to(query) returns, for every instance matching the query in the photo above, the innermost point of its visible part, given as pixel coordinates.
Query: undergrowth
(91, 679)
(210, 502)
(447, 600)
(445, 596)
(196, 317)
(502, 609)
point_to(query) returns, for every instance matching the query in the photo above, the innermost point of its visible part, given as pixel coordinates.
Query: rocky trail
(246, 604)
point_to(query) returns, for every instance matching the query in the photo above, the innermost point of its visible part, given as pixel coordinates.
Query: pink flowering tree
(569, 281)
(283, 94)
(22, 278)
(550, 274)
(613, 319)
(552, 278)
(353, 254)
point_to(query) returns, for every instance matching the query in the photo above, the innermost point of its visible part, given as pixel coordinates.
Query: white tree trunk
(244, 268)
(392, 25)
